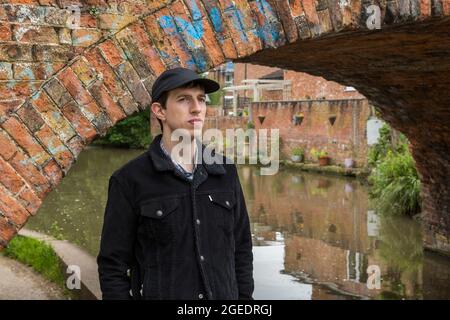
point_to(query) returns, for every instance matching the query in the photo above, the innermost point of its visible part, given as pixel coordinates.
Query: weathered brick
(286, 18)
(114, 21)
(56, 147)
(29, 199)
(76, 145)
(12, 209)
(35, 34)
(220, 28)
(5, 31)
(25, 140)
(205, 30)
(16, 52)
(85, 37)
(269, 29)
(166, 22)
(35, 71)
(7, 231)
(53, 172)
(147, 48)
(134, 84)
(190, 36)
(6, 72)
(87, 104)
(87, 20)
(112, 54)
(52, 53)
(84, 72)
(9, 177)
(18, 89)
(131, 49)
(101, 95)
(52, 116)
(7, 146)
(82, 125)
(128, 104)
(56, 16)
(32, 119)
(161, 42)
(8, 107)
(65, 36)
(57, 92)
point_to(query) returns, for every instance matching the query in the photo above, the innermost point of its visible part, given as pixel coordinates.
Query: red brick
(9, 177)
(23, 33)
(115, 113)
(7, 146)
(161, 41)
(29, 199)
(12, 209)
(85, 37)
(81, 125)
(148, 50)
(5, 31)
(17, 89)
(111, 81)
(57, 149)
(87, 104)
(8, 107)
(113, 54)
(21, 135)
(28, 171)
(53, 116)
(7, 231)
(53, 172)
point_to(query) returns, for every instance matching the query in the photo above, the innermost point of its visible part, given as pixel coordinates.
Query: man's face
(185, 108)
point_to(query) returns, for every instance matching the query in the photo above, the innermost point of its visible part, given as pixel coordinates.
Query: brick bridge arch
(60, 87)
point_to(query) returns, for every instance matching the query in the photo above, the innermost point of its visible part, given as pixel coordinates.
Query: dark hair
(163, 97)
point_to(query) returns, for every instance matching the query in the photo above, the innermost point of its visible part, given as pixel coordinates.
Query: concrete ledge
(70, 254)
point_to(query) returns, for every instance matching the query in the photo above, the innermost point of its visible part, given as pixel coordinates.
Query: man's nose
(196, 107)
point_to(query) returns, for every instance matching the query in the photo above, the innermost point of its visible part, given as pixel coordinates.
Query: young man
(176, 229)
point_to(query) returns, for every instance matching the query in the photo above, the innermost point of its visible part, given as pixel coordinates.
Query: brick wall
(346, 138)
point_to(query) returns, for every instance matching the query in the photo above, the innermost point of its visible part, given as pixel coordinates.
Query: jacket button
(200, 296)
(227, 203)
(198, 221)
(159, 213)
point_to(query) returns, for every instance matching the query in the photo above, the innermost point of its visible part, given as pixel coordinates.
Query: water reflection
(314, 236)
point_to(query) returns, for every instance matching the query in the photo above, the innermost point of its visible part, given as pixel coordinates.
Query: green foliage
(379, 151)
(132, 132)
(394, 179)
(38, 255)
(321, 153)
(216, 97)
(250, 125)
(298, 151)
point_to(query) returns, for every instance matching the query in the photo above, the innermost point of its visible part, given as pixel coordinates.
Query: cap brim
(209, 85)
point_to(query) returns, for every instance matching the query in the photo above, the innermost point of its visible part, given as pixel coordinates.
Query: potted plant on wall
(322, 156)
(297, 154)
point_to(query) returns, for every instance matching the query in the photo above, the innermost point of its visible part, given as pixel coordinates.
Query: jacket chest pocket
(222, 204)
(159, 218)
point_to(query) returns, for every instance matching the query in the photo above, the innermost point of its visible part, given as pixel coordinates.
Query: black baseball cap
(177, 77)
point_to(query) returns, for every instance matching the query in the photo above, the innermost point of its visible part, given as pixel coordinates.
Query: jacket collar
(161, 163)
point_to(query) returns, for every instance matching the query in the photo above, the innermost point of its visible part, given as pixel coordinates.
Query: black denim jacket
(165, 237)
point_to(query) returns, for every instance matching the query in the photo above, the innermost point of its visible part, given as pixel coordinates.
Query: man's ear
(158, 110)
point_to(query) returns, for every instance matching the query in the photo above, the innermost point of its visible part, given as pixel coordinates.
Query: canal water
(314, 236)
